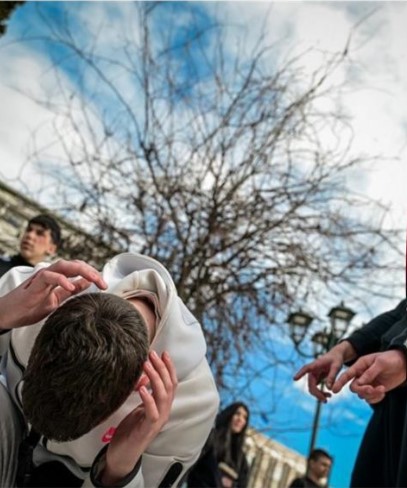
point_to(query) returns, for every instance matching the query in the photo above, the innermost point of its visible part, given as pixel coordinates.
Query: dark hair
(84, 364)
(229, 446)
(49, 223)
(315, 454)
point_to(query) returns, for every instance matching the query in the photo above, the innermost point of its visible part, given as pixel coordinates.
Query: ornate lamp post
(340, 318)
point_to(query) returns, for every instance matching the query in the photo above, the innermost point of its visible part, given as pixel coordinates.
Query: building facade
(16, 209)
(272, 465)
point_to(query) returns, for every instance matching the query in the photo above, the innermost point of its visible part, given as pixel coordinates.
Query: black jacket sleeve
(383, 328)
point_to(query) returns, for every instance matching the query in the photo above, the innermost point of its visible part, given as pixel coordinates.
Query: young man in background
(38, 243)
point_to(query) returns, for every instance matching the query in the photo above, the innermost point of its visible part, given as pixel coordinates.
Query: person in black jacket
(40, 240)
(223, 463)
(318, 468)
(378, 375)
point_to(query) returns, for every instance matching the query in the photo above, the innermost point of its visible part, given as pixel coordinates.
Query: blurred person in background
(39, 242)
(318, 468)
(223, 463)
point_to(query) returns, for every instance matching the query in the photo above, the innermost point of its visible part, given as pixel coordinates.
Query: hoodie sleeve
(169, 457)
(133, 480)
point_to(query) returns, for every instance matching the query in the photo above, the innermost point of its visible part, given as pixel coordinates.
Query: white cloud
(375, 97)
(20, 116)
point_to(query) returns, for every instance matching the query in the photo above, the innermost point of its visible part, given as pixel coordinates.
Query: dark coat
(303, 482)
(7, 263)
(381, 460)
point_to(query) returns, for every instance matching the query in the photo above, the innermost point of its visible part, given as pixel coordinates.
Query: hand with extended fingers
(374, 374)
(43, 292)
(136, 431)
(324, 370)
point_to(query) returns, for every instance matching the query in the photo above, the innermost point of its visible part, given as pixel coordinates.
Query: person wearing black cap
(223, 463)
(39, 241)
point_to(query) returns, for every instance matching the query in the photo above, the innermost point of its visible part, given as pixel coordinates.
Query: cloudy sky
(374, 96)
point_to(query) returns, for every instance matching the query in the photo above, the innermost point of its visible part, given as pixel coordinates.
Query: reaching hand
(325, 369)
(136, 431)
(374, 375)
(43, 292)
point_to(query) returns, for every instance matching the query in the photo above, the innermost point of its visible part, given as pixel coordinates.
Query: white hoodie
(196, 402)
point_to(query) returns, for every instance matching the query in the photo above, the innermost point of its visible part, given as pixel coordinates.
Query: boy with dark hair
(318, 467)
(97, 420)
(90, 340)
(40, 240)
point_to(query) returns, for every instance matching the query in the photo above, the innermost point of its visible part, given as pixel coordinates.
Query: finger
(369, 393)
(79, 286)
(150, 407)
(377, 398)
(166, 370)
(78, 268)
(142, 381)
(161, 382)
(365, 391)
(158, 388)
(332, 374)
(369, 376)
(362, 391)
(315, 390)
(344, 378)
(302, 372)
(170, 367)
(45, 278)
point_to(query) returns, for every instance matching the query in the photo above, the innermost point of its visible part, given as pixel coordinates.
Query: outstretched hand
(43, 292)
(136, 431)
(324, 370)
(373, 375)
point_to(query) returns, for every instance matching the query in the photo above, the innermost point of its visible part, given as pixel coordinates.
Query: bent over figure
(114, 387)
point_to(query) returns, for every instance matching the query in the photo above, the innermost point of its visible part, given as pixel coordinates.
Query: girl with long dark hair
(223, 463)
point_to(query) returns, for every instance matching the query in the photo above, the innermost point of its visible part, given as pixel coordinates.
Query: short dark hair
(49, 223)
(84, 364)
(315, 454)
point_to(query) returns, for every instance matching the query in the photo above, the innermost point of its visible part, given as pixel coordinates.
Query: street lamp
(340, 318)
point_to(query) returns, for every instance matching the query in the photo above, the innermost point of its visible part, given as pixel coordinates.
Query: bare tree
(226, 167)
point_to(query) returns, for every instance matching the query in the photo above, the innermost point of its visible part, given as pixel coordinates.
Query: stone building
(273, 465)
(16, 209)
